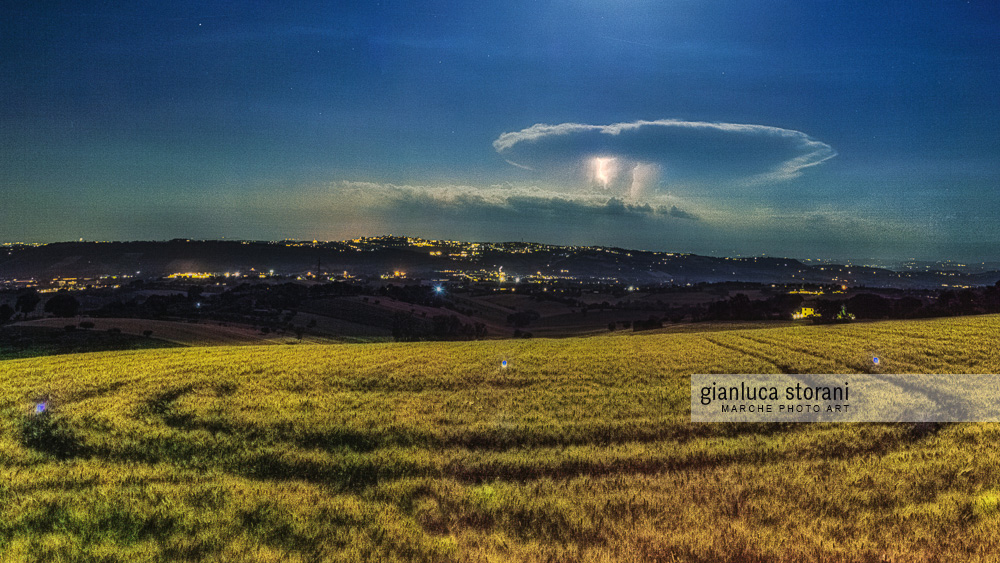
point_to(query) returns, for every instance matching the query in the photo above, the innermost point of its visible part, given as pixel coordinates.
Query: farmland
(29, 341)
(580, 449)
(181, 333)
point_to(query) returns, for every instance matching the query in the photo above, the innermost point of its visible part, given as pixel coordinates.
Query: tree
(446, 326)
(906, 307)
(967, 302)
(524, 318)
(62, 305)
(650, 323)
(404, 328)
(481, 331)
(740, 307)
(991, 299)
(6, 312)
(870, 306)
(832, 312)
(782, 306)
(26, 302)
(947, 299)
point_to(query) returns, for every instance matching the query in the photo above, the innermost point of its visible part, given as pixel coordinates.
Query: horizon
(711, 128)
(876, 262)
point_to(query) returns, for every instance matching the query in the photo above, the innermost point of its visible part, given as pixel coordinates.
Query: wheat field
(578, 450)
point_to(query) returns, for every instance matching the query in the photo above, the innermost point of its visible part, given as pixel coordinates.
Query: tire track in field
(784, 368)
(368, 471)
(861, 367)
(947, 402)
(813, 354)
(355, 473)
(358, 470)
(799, 350)
(498, 439)
(920, 350)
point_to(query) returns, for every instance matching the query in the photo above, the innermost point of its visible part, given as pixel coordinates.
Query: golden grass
(580, 450)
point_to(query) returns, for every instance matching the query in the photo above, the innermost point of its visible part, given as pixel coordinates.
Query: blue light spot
(875, 360)
(40, 408)
(438, 289)
(503, 364)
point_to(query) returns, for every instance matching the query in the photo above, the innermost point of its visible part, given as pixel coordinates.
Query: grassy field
(205, 333)
(579, 450)
(29, 341)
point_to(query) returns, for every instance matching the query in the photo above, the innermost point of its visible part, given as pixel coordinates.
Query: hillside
(421, 258)
(579, 450)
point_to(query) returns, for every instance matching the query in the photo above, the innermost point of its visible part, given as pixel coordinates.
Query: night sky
(802, 128)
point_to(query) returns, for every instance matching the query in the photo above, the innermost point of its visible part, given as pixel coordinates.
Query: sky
(808, 128)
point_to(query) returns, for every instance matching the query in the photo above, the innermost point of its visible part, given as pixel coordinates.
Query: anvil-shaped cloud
(639, 158)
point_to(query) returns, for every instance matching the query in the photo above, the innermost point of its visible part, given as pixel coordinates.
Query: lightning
(604, 170)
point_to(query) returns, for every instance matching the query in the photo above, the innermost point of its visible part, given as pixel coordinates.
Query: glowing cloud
(604, 170)
(630, 159)
(644, 176)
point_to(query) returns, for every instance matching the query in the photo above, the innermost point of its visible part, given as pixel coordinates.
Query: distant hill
(420, 258)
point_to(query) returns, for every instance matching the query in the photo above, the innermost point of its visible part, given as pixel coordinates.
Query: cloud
(642, 158)
(347, 209)
(674, 212)
(497, 202)
(513, 212)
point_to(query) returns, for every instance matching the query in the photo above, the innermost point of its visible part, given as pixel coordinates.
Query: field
(181, 333)
(21, 341)
(579, 450)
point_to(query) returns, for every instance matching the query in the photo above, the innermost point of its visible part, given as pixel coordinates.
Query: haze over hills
(391, 257)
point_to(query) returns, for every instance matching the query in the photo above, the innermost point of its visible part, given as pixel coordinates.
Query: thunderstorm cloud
(643, 158)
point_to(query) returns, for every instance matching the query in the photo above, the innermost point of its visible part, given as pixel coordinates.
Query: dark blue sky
(808, 128)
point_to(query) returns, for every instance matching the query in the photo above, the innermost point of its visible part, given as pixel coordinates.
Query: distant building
(804, 313)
